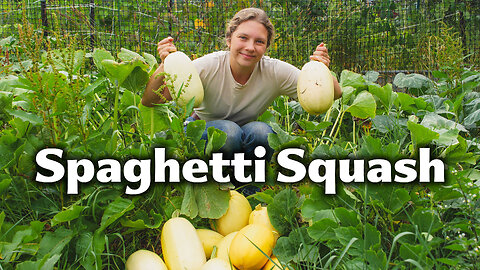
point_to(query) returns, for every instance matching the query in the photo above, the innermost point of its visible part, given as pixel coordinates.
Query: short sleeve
(286, 75)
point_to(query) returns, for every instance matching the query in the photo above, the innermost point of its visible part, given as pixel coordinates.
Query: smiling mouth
(247, 56)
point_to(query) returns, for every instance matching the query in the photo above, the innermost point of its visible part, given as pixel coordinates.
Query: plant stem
(336, 121)
(115, 108)
(354, 133)
(326, 118)
(285, 102)
(338, 129)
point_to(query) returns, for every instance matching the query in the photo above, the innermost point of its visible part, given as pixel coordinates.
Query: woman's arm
(150, 98)
(321, 54)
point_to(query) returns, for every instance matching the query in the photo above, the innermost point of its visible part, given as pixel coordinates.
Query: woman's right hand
(165, 47)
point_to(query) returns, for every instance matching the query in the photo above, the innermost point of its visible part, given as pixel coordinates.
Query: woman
(240, 83)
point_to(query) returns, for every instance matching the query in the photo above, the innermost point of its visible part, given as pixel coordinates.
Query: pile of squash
(243, 239)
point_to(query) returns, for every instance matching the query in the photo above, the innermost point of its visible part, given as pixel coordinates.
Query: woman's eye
(260, 42)
(243, 38)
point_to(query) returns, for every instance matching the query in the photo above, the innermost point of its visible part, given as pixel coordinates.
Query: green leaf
(142, 220)
(176, 125)
(448, 130)
(5, 98)
(129, 99)
(472, 118)
(284, 249)
(376, 260)
(216, 139)
(2, 219)
(26, 235)
(114, 211)
(389, 197)
(54, 242)
(64, 60)
(349, 78)
(457, 247)
(265, 196)
(363, 106)
(127, 55)
(427, 221)
(372, 237)
(405, 102)
(4, 184)
(189, 203)
(282, 211)
(371, 76)
(26, 116)
(92, 88)
(98, 245)
(121, 71)
(195, 130)
(136, 80)
(412, 252)
(67, 215)
(311, 206)
(421, 135)
(98, 56)
(411, 81)
(294, 247)
(443, 193)
(155, 119)
(151, 61)
(281, 139)
(374, 147)
(211, 201)
(324, 151)
(385, 94)
(346, 217)
(83, 247)
(323, 230)
(322, 214)
(312, 126)
(205, 201)
(448, 261)
(347, 93)
(47, 263)
(459, 153)
(345, 235)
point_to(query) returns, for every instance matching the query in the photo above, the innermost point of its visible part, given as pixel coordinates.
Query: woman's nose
(249, 46)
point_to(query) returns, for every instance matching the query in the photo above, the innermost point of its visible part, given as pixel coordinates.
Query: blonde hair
(247, 14)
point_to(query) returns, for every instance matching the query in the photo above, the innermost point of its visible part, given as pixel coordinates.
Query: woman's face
(248, 44)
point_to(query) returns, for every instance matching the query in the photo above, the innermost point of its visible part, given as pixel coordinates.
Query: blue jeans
(241, 139)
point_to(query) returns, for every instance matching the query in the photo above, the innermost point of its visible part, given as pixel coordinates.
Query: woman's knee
(256, 131)
(256, 134)
(234, 133)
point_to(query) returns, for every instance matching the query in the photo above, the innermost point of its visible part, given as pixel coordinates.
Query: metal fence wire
(360, 34)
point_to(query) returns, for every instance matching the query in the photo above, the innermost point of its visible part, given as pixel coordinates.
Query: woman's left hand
(321, 54)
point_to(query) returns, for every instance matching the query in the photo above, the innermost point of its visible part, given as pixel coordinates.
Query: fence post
(461, 22)
(92, 23)
(43, 7)
(170, 8)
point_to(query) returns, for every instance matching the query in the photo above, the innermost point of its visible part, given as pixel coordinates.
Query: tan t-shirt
(225, 98)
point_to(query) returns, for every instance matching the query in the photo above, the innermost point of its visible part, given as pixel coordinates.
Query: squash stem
(338, 129)
(326, 118)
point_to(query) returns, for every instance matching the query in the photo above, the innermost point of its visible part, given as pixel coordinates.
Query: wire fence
(360, 34)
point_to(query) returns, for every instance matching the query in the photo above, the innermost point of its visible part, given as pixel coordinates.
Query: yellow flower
(210, 4)
(199, 24)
